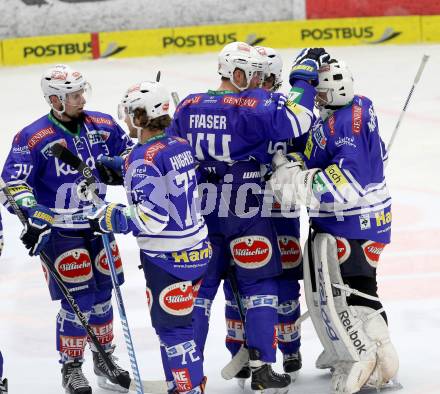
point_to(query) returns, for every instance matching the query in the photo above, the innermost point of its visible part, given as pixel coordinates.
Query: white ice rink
(409, 269)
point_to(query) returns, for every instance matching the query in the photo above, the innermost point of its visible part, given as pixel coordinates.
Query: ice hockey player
(287, 227)
(350, 209)
(51, 194)
(160, 175)
(230, 129)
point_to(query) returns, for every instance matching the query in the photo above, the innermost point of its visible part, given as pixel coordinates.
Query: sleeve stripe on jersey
(146, 223)
(336, 210)
(299, 122)
(154, 215)
(368, 189)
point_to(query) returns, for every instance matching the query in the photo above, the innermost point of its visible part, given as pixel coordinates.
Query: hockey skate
(292, 363)
(4, 386)
(242, 376)
(104, 378)
(266, 381)
(74, 380)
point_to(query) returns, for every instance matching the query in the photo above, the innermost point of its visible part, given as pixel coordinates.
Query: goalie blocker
(355, 338)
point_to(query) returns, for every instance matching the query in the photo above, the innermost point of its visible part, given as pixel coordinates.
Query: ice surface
(409, 268)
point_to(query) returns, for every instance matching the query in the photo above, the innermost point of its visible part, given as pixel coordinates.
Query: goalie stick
(70, 299)
(425, 58)
(67, 157)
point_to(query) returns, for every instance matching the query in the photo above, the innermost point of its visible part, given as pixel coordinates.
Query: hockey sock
(184, 359)
(71, 335)
(101, 319)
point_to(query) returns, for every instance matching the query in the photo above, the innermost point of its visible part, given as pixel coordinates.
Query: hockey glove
(110, 170)
(307, 64)
(37, 230)
(290, 183)
(109, 218)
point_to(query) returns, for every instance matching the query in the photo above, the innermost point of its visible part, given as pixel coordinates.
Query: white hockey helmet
(274, 65)
(335, 87)
(151, 96)
(61, 80)
(244, 57)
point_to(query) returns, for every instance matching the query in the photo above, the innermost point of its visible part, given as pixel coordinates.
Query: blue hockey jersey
(34, 175)
(163, 195)
(228, 127)
(352, 198)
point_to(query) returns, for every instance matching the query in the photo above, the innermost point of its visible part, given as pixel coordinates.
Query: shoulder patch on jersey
(153, 150)
(320, 137)
(356, 119)
(99, 120)
(247, 102)
(39, 136)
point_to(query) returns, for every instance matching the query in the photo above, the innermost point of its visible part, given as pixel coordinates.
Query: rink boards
(211, 38)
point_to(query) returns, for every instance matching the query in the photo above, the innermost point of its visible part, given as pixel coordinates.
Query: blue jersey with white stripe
(35, 175)
(352, 198)
(229, 127)
(161, 178)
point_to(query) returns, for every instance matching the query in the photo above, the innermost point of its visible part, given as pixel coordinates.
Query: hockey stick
(241, 358)
(425, 58)
(55, 275)
(67, 157)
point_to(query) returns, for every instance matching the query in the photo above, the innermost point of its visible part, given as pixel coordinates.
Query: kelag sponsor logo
(74, 48)
(363, 33)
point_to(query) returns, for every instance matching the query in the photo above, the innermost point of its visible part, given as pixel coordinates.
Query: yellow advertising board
(356, 31)
(46, 49)
(431, 28)
(291, 34)
(199, 39)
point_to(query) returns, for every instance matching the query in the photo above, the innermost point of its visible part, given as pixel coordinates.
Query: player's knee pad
(101, 321)
(344, 330)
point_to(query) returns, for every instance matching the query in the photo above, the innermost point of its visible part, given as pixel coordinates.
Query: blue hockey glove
(110, 170)
(115, 162)
(109, 218)
(37, 230)
(307, 64)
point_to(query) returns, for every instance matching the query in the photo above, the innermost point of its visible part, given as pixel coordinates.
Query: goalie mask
(244, 57)
(335, 87)
(62, 81)
(150, 96)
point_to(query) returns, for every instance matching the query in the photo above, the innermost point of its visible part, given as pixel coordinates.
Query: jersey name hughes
(181, 160)
(202, 121)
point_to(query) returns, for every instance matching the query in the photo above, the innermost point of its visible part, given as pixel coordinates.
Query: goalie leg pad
(354, 351)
